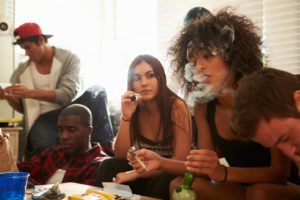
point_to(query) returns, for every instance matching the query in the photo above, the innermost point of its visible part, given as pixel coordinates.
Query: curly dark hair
(235, 34)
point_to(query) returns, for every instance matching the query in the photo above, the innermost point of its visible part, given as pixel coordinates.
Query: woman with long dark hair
(153, 117)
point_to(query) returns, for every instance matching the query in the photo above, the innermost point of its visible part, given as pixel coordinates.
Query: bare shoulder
(180, 109)
(179, 104)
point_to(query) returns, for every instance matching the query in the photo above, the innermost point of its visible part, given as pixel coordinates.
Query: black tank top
(240, 153)
(237, 153)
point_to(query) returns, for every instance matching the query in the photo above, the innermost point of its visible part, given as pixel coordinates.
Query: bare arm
(155, 163)
(277, 172)
(122, 142)
(21, 91)
(182, 130)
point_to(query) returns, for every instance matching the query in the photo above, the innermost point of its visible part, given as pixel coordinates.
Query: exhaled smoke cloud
(200, 93)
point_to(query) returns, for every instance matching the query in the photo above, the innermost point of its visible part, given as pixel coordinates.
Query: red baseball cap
(28, 30)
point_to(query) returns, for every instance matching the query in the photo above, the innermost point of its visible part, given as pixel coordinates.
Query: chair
(95, 98)
(44, 132)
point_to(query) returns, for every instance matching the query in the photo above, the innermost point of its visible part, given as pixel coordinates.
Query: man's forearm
(43, 95)
(15, 103)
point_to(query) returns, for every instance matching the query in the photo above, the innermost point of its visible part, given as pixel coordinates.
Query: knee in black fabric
(139, 186)
(109, 168)
(158, 187)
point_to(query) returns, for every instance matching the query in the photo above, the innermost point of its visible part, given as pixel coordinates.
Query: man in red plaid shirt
(75, 159)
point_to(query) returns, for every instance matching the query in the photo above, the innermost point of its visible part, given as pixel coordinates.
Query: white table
(76, 188)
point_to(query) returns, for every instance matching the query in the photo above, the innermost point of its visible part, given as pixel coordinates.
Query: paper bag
(7, 161)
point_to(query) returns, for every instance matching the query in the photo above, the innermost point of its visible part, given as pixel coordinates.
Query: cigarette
(131, 151)
(140, 162)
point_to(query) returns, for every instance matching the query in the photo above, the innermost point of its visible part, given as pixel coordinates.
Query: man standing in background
(48, 80)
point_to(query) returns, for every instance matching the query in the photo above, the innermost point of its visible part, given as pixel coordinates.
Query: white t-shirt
(42, 82)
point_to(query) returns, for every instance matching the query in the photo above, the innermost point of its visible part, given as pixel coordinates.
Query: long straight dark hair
(164, 100)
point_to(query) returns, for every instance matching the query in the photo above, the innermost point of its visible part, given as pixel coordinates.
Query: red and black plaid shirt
(82, 169)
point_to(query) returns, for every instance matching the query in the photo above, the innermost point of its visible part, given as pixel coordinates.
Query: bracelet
(125, 120)
(225, 175)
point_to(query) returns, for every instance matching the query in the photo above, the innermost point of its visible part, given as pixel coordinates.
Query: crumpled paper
(52, 193)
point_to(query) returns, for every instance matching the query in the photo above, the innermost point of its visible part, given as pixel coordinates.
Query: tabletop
(71, 188)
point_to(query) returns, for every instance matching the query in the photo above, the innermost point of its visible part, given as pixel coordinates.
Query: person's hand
(1, 93)
(202, 161)
(128, 104)
(17, 90)
(3, 136)
(124, 177)
(150, 159)
(132, 157)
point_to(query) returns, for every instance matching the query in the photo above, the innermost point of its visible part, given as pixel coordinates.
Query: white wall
(6, 52)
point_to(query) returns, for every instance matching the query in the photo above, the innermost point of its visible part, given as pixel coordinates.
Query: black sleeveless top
(242, 153)
(237, 153)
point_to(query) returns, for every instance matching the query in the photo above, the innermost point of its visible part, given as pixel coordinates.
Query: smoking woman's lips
(206, 79)
(143, 92)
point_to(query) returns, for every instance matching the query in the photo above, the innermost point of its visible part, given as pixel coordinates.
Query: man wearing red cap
(48, 80)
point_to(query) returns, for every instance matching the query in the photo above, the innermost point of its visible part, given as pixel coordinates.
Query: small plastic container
(13, 185)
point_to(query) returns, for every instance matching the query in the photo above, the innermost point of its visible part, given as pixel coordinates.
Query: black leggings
(157, 187)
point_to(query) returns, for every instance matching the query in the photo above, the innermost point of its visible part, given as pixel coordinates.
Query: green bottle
(185, 191)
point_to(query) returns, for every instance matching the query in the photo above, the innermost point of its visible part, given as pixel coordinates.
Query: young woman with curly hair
(221, 49)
